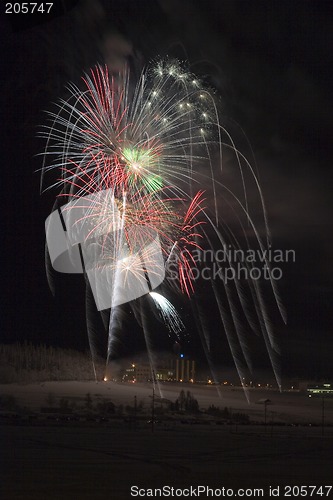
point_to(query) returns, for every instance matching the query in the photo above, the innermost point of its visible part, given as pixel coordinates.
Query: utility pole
(265, 417)
(323, 414)
(153, 405)
(272, 423)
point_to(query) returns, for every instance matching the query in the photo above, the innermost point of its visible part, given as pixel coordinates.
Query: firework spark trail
(262, 315)
(91, 329)
(261, 246)
(128, 159)
(149, 345)
(168, 313)
(205, 339)
(113, 336)
(233, 345)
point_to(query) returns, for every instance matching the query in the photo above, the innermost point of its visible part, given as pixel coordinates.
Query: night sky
(271, 63)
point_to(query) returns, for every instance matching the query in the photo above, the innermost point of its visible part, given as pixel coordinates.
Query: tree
(191, 404)
(88, 402)
(50, 399)
(64, 404)
(181, 400)
(186, 402)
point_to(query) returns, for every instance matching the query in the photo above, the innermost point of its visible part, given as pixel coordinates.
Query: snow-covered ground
(101, 461)
(50, 460)
(289, 407)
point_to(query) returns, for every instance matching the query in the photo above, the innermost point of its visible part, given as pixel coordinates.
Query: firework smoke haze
(131, 161)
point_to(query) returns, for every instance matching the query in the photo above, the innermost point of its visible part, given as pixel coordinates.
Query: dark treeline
(33, 363)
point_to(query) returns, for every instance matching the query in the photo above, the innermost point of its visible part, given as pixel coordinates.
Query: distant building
(140, 372)
(184, 370)
(137, 372)
(175, 369)
(321, 390)
(164, 374)
(303, 385)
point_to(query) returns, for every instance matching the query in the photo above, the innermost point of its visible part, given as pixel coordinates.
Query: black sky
(271, 63)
